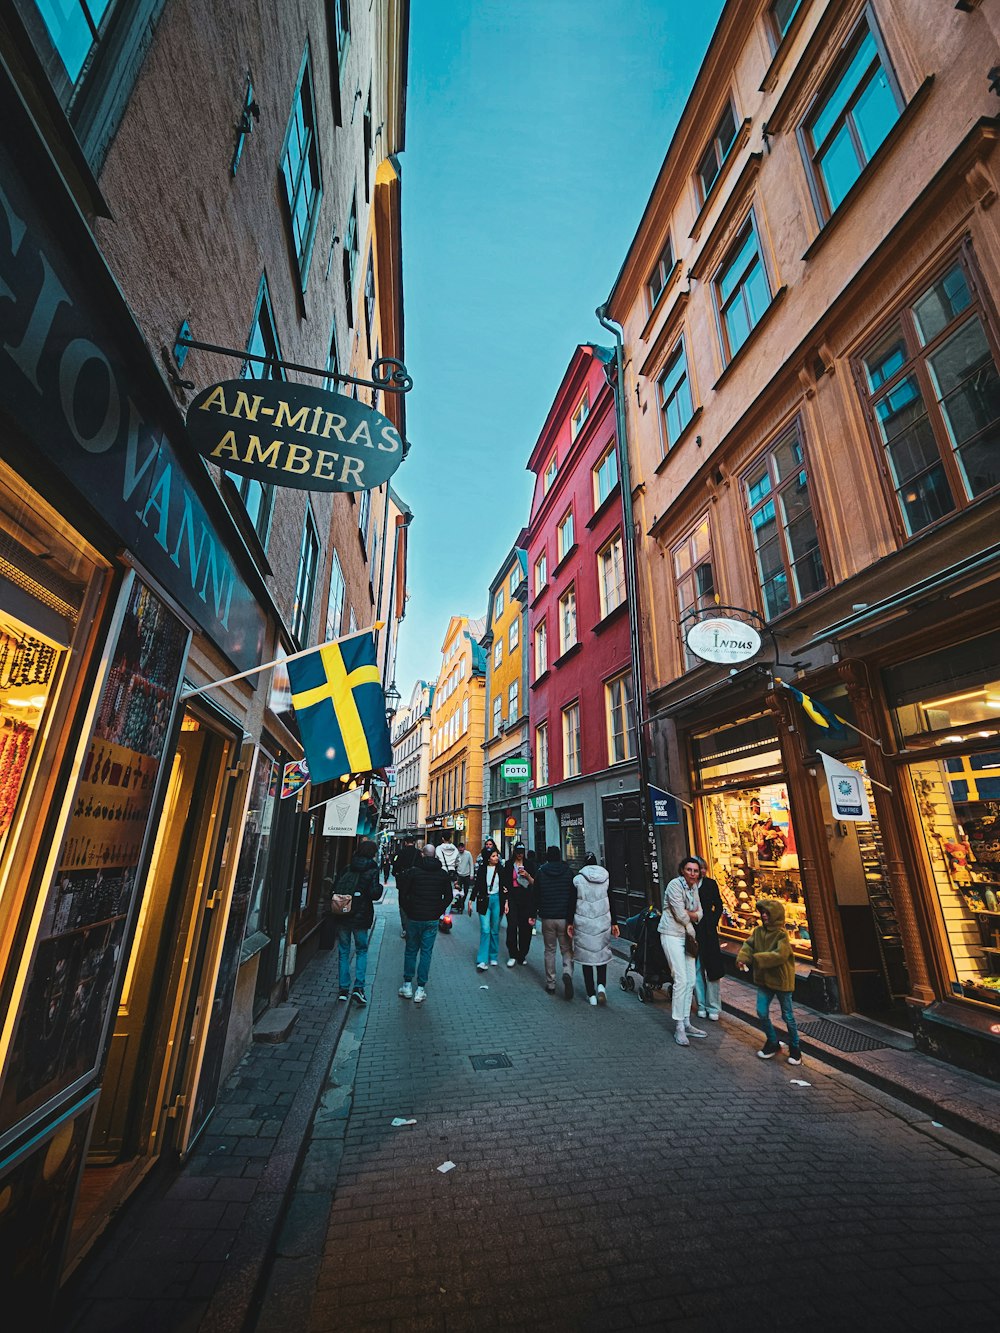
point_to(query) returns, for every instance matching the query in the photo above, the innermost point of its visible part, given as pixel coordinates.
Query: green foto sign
(542, 802)
(516, 770)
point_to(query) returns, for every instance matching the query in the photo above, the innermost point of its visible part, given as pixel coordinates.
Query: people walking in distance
(464, 871)
(401, 865)
(447, 854)
(522, 897)
(709, 970)
(488, 846)
(556, 901)
(681, 914)
(426, 893)
(491, 904)
(769, 951)
(352, 895)
(592, 928)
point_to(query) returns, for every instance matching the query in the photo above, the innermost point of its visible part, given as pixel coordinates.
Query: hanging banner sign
(294, 778)
(516, 770)
(340, 817)
(664, 806)
(723, 640)
(848, 798)
(294, 435)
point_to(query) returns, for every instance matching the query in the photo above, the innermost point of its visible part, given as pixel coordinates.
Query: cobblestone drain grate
(841, 1038)
(497, 1061)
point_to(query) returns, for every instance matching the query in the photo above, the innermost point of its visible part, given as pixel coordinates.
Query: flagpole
(874, 739)
(288, 657)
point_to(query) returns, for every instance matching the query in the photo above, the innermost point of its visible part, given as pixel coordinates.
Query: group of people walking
(576, 918)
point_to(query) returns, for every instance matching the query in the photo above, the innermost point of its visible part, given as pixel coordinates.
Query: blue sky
(535, 129)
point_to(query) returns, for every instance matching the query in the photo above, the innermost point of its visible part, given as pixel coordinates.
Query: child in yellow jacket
(769, 950)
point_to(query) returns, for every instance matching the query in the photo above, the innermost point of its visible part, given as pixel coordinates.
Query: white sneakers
(406, 990)
(511, 962)
(695, 1032)
(713, 1017)
(480, 967)
(420, 996)
(680, 1035)
(494, 963)
(602, 994)
(592, 999)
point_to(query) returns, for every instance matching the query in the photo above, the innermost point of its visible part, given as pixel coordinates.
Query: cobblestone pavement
(609, 1179)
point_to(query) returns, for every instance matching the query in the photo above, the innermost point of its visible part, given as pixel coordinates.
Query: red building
(585, 794)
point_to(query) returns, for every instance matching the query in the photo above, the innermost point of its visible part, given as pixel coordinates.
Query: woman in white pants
(681, 913)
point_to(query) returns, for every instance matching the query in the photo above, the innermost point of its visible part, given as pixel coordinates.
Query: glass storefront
(742, 801)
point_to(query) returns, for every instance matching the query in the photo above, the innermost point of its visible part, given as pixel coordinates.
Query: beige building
(811, 347)
(411, 758)
(455, 792)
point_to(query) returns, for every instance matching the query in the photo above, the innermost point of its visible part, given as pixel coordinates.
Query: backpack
(345, 888)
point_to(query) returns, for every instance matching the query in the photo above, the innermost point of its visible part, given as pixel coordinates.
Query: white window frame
(610, 455)
(572, 765)
(615, 549)
(580, 414)
(541, 573)
(541, 649)
(551, 470)
(626, 706)
(512, 702)
(497, 653)
(542, 755)
(513, 634)
(567, 602)
(497, 714)
(566, 525)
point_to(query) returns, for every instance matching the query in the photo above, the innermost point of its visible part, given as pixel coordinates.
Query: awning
(945, 580)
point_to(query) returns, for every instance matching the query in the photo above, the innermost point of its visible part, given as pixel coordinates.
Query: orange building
(455, 796)
(505, 802)
(811, 351)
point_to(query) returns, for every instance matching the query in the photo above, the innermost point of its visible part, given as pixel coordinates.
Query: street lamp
(392, 701)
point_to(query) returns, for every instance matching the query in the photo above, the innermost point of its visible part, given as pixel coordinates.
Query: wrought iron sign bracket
(388, 373)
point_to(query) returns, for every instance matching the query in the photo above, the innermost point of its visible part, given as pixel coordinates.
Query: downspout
(632, 590)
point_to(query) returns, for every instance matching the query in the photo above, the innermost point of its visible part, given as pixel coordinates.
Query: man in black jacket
(402, 863)
(360, 880)
(556, 906)
(424, 894)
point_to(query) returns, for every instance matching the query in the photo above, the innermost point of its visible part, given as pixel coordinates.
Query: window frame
(628, 736)
(540, 635)
(513, 703)
(370, 300)
(563, 548)
(713, 147)
(720, 305)
(580, 414)
(564, 647)
(810, 151)
(334, 629)
(341, 10)
(513, 634)
(542, 754)
(497, 715)
(305, 94)
(678, 352)
(302, 602)
(498, 652)
(569, 770)
(550, 473)
(775, 32)
(615, 540)
(610, 454)
(659, 279)
(350, 257)
(263, 321)
(498, 604)
(543, 562)
(703, 520)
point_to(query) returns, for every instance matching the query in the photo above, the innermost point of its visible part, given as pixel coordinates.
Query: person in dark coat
(519, 879)
(709, 971)
(426, 891)
(361, 881)
(556, 905)
(402, 863)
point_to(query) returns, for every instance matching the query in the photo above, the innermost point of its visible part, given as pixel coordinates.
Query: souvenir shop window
(951, 697)
(958, 799)
(727, 752)
(45, 572)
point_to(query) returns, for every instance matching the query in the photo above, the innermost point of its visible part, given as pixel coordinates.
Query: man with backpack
(354, 893)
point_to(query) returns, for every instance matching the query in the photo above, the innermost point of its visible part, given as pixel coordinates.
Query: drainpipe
(617, 383)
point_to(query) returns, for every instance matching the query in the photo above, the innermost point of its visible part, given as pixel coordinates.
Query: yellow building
(506, 739)
(455, 796)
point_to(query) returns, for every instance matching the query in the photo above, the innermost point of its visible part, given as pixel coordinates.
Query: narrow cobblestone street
(607, 1179)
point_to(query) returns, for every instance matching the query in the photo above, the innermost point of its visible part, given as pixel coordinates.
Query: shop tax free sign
(294, 435)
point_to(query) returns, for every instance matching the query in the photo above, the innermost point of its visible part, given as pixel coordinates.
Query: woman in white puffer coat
(592, 928)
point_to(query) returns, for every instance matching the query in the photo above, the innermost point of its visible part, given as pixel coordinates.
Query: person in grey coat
(593, 928)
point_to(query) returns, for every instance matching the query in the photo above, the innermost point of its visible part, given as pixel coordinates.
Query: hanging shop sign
(294, 435)
(516, 770)
(664, 806)
(294, 777)
(723, 640)
(848, 798)
(340, 817)
(541, 802)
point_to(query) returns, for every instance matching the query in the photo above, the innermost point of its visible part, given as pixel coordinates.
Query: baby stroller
(646, 956)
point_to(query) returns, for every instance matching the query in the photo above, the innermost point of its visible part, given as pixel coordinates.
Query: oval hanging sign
(294, 435)
(723, 640)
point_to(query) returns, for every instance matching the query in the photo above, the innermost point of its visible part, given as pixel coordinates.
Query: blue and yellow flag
(340, 708)
(820, 714)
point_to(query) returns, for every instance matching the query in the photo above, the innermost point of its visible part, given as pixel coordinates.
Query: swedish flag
(820, 714)
(340, 708)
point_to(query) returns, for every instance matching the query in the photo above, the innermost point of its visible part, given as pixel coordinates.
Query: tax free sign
(294, 435)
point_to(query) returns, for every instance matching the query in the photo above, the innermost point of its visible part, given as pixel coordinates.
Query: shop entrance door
(624, 858)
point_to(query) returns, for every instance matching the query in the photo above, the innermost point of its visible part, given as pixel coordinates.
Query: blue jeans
(344, 935)
(764, 998)
(419, 935)
(489, 932)
(707, 993)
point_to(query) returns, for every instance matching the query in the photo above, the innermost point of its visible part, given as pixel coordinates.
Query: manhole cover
(498, 1061)
(840, 1037)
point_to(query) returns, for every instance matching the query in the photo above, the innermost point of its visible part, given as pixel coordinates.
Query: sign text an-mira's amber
(294, 435)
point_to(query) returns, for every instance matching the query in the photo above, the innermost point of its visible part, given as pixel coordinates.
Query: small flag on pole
(819, 713)
(340, 708)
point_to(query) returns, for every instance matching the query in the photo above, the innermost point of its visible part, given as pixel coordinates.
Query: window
(335, 599)
(550, 473)
(933, 392)
(305, 582)
(541, 649)
(542, 755)
(351, 258)
(497, 653)
(571, 741)
(498, 604)
(780, 15)
(742, 290)
(300, 171)
(461, 669)
(580, 415)
(621, 719)
(564, 536)
(694, 579)
(369, 301)
(541, 573)
(366, 136)
(342, 29)
(465, 716)
(567, 620)
(717, 151)
(661, 273)
(512, 702)
(611, 575)
(514, 580)
(513, 634)
(332, 363)
(257, 496)
(605, 475)
(675, 396)
(497, 714)
(850, 119)
(364, 515)
(354, 621)
(785, 541)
